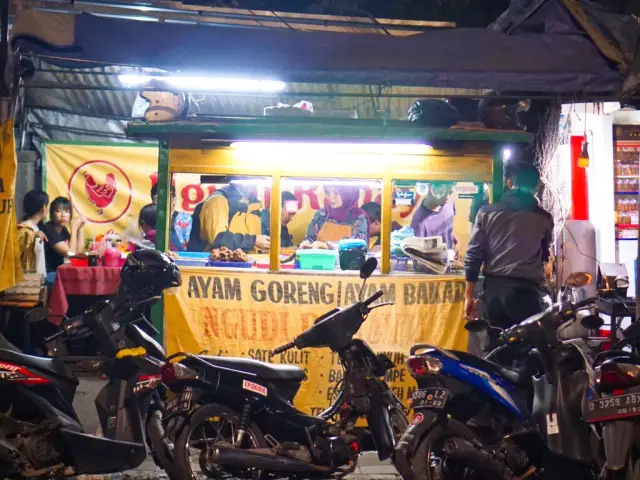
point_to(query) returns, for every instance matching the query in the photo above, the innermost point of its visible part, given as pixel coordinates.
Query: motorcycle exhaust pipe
(465, 452)
(234, 457)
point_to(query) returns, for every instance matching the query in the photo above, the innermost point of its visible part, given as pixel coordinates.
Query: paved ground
(369, 467)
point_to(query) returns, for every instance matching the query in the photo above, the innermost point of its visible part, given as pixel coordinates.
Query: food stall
(260, 299)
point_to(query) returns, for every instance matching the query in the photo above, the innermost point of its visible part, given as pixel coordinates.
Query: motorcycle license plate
(430, 398)
(180, 403)
(612, 408)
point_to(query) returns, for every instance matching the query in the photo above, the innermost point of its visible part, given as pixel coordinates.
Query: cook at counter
(374, 213)
(339, 219)
(290, 207)
(230, 218)
(435, 215)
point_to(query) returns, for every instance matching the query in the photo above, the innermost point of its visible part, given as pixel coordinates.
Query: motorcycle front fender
(422, 423)
(379, 422)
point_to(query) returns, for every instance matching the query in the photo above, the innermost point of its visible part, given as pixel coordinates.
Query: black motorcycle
(615, 406)
(235, 416)
(40, 433)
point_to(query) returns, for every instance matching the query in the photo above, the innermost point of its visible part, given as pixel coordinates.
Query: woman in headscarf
(340, 218)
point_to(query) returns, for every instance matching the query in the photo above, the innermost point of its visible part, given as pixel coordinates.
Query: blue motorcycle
(475, 419)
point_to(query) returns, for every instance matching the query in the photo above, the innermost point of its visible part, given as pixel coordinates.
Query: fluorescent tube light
(204, 83)
(335, 147)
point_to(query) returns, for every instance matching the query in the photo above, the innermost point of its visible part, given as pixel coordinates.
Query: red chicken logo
(100, 195)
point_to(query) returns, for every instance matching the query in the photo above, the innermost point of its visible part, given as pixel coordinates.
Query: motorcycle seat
(262, 370)
(44, 364)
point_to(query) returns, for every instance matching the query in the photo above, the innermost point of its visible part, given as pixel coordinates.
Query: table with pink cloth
(85, 281)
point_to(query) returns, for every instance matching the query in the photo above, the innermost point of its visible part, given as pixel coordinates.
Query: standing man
(510, 240)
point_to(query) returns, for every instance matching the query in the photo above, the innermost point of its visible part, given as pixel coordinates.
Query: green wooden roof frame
(302, 128)
(228, 129)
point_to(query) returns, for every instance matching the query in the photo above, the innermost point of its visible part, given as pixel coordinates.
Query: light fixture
(335, 147)
(310, 183)
(258, 181)
(506, 154)
(204, 83)
(583, 159)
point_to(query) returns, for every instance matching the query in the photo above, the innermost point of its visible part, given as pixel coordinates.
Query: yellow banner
(10, 268)
(108, 184)
(246, 315)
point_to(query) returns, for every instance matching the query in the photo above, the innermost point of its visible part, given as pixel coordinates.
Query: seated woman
(180, 226)
(147, 223)
(30, 237)
(340, 218)
(61, 241)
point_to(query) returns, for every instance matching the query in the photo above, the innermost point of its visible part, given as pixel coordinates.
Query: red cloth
(89, 281)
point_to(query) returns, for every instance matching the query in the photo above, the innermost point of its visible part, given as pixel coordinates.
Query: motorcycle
(236, 416)
(516, 442)
(615, 407)
(40, 433)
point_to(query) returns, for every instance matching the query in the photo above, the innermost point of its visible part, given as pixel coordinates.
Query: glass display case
(627, 180)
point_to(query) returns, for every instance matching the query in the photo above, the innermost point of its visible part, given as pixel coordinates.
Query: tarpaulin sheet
(557, 62)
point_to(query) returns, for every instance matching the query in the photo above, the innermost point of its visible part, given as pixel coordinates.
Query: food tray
(192, 259)
(190, 262)
(194, 255)
(230, 264)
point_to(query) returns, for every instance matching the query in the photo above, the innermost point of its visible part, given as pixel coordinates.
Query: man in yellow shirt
(230, 218)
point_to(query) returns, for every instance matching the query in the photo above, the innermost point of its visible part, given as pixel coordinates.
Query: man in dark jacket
(510, 241)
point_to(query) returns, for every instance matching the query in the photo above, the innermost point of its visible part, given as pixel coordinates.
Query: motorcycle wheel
(210, 425)
(399, 423)
(428, 462)
(634, 470)
(631, 472)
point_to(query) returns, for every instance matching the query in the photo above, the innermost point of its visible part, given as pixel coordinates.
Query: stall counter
(249, 312)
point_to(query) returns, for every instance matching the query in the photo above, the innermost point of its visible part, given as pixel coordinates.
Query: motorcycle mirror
(38, 314)
(477, 326)
(592, 322)
(578, 279)
(368, 267)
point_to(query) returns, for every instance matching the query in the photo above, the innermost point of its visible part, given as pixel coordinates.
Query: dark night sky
(466, 13)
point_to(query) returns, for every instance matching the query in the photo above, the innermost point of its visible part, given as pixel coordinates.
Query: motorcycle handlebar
(292, 344)
(493, 344)
(372, 298)
(585, 302)
(67, 328)
(283, 348)
(502, 340)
